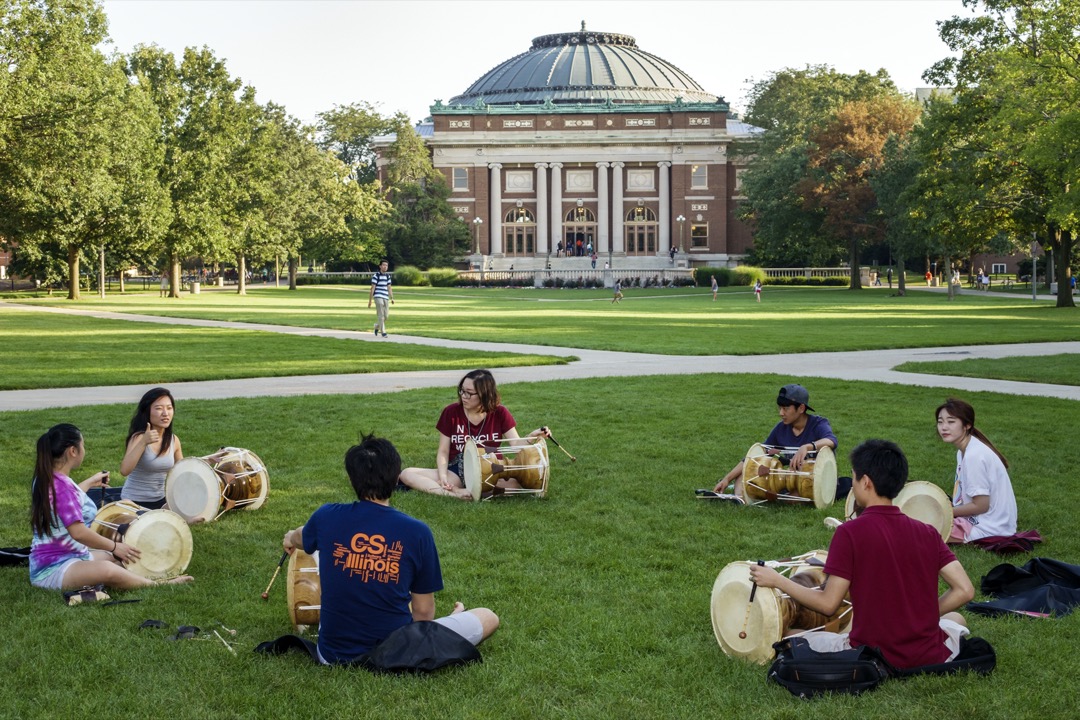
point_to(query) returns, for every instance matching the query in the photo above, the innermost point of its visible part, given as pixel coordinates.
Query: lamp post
(681, 220)
(477, 222)
(1034, 263)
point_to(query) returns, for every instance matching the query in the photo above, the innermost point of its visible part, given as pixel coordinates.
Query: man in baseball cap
(796, 429)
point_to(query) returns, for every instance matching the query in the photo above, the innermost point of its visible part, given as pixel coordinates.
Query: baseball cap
(794, 395)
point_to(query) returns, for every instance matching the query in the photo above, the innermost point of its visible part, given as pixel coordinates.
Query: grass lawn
(48, 350)
(1054, 369)
(603, 587)
(681, 321)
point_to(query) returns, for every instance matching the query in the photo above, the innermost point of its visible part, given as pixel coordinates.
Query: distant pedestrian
(618, 293)
(671, 254)
(715, 288)
(929, 277)
(383, 295)
(890, 277)
(757, 290)
(164, 284)
(558, 249)
(593, 258)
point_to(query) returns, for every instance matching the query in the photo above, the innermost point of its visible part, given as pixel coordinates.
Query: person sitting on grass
(890, 564)
(65, 553)
(796, 429)
(378, 567)
(983, 501)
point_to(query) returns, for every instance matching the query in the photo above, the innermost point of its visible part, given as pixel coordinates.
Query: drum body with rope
(920, 500)
(748, 630)
(304, 593)
(525, 462)
(766, 479)
(204, 488)
(162, 537)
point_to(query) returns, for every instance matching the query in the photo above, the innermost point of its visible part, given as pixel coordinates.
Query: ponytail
(50, 448)
(963, 412)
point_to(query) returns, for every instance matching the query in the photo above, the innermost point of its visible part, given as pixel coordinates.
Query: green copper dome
(584, 67)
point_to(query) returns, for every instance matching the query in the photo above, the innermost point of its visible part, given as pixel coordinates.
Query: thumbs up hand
(151, 436)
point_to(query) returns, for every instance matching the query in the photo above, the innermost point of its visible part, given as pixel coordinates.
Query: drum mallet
(104, 484)
(753, 591)
(284, 557)
(552, 439)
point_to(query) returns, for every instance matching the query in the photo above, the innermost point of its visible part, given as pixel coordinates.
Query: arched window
(580, 215)
(640, 214)
(520, 215)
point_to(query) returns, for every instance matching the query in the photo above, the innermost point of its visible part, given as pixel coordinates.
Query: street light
(1034, 263)
(680, 220)
(477, 222)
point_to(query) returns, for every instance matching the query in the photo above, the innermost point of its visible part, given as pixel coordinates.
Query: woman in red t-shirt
(478, 414)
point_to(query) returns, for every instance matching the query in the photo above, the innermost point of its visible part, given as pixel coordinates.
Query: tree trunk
(1065, 242)
(120, 278)
(856, 280)
(73, 273)
(901, 285)
(293, 262)
(174, 276)
(947, 262)
(241, 275)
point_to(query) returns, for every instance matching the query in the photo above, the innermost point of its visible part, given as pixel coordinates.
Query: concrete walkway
(869, 365)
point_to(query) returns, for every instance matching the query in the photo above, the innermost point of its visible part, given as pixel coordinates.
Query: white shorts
(835, 642)
(464, 624)
(55, 579)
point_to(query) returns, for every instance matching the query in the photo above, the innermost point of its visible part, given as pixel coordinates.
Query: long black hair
(963, 412)
(142, 418)
(50, 448)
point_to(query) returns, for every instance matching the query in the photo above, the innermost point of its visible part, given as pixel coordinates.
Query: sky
(403, 55)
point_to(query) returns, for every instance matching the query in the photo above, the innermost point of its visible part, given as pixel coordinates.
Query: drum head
(470, 464)
(733, 616)
(193, 490)
(164, 542)
(928, 503)
(849, 506)
(304, 593)
(824, 478)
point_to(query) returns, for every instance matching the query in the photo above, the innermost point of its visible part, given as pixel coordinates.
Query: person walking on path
(383, 295)
(715, 288)
(618, 293)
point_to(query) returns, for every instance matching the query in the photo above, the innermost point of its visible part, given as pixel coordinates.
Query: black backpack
(807, 673)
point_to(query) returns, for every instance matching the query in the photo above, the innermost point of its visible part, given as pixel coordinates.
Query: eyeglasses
(466, 393)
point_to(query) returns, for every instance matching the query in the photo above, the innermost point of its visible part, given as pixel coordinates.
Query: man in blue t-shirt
(798, 430)
(374, 561)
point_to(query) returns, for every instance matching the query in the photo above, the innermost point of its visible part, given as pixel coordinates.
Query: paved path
(869, 365)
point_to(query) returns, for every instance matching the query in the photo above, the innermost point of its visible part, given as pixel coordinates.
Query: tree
(347, 131)
(843, 155)
(75, 154)
(791, 105)
(1020, 59)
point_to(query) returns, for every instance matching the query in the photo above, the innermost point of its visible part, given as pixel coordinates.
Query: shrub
(748, 275)
(703, 276)
(442, 277)
(409, 276)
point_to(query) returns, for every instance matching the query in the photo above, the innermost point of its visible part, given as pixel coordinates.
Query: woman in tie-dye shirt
(66, 554)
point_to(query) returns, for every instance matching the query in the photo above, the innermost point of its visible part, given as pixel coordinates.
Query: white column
(556, 204)
(618, 212)
(541, 209)
(665, 207)
(495, 228)
(603, 208)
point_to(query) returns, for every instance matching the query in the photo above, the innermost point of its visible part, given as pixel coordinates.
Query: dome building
(588, 140)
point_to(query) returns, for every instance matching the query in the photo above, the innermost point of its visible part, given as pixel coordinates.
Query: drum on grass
(767, 478)
(525, 462)
(162, 537)
(747, 630)
(205, 488)
(920, 500)
(305, 590)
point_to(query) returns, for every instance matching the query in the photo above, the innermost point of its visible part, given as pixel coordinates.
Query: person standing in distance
(383, 295)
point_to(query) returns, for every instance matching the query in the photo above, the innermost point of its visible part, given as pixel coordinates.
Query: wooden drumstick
(753, 591)
(284, 557)
(552, 439)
